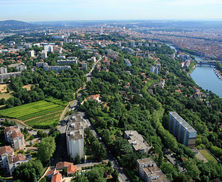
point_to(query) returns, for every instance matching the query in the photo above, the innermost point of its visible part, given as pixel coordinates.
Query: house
(14, 136)
(71, 169)
(14, 161)
(51, 173)
(56, 177)
(4, 153)
(61, 165)
(95, 97)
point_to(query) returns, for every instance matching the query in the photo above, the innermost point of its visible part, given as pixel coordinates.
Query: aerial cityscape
(131, 96)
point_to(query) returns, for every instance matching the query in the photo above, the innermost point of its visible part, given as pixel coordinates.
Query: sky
(52, 10)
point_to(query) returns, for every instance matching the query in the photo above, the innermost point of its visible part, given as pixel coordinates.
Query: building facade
(75, 139)
(14, 136)
(149, 171)
(136, 141)
(184, 133)
(5, 151)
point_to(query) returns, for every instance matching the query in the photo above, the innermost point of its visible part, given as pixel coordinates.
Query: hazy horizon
(91, 10)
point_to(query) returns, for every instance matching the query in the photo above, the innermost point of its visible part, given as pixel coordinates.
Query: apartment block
(149, 171)
(68, 62)
(136, 141)
(46, 67)
(75, 138)
(14, 136)
(3, 70)
(184, 133)
(5, 151)
(14, 161)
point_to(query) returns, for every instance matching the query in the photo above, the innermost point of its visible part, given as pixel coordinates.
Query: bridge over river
(207, 62)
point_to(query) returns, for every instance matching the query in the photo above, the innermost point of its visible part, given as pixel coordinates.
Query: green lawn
(208, 156)
(37, 114)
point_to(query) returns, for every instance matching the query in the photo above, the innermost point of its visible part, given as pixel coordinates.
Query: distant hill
(14, 24)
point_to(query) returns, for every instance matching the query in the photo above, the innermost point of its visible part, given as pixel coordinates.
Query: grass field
(28, 87)
(208, 156)
(41, 114)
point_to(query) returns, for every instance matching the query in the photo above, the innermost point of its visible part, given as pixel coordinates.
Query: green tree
(28, 172)
(46, 149)
(80, 178)
(192, 169)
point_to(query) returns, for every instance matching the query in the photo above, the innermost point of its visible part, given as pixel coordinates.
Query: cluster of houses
(55, 175)
(156, 68)
(4, 71)
(185, 60)
(9, 159)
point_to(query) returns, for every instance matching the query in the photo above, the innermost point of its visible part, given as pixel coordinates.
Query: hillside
(14, 24)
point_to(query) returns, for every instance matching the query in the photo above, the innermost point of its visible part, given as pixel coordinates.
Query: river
(205, 77)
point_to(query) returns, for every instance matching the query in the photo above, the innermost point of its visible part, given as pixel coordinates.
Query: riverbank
(205, 77)
(217, 72)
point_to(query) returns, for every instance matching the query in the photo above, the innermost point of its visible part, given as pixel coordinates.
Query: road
(111, 158)
(74, 102)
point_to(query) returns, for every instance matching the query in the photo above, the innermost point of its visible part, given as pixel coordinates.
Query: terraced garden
(41, 114)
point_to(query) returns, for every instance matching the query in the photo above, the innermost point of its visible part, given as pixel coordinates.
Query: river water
(205, 77)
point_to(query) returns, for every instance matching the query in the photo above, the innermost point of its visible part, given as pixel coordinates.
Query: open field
(208, 156)
(28, 87)
(3, 88)
(41, 114)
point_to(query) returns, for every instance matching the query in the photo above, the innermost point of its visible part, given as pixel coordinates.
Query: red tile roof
(71, 169)
(16, 134)
(6, 149)
(56, 178)
(14, 159)
(52, 172)
(10, 128)
(61, 165)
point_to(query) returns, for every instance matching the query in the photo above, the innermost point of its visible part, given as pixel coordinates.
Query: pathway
(46, 171)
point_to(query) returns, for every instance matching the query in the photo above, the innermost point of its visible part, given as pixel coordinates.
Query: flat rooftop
(152, 170)
(183, 122)
(136, 140)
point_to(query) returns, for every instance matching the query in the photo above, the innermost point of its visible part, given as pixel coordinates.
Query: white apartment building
(44, 54)
(14, 136)
(149, 171)
(75, 138)
(5, 151)
(32, 53)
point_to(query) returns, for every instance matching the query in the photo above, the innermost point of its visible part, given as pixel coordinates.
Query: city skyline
(52, 10)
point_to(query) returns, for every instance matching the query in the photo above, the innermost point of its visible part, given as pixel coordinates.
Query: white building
(3, 70)
(127, 62)
(136, 141)
(49, 48)
(5, 151)
(14, 136)
(10, 161)
(149, 171)
(75, 139)
(44, 54)
(14, 161)
(84, 65)
(28, 45)
(133, 44)
(32, 53)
